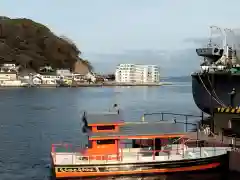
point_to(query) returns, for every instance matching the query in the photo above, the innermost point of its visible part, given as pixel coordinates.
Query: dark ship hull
(215, 86)
(219, 74)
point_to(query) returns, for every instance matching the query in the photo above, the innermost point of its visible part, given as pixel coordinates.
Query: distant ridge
(177, 79)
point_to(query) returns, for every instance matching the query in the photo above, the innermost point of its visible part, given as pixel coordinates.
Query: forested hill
(32, 45)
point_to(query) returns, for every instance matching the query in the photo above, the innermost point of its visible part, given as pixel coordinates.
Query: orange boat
(107, 152)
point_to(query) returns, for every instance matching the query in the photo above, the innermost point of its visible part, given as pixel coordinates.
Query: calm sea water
(32, 119)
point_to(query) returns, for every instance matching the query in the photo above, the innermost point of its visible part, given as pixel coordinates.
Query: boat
(114, 148)
(219, 72)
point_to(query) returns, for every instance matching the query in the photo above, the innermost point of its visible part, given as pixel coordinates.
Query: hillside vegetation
(32, 45)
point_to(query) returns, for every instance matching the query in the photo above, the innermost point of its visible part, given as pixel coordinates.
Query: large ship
(219, 72)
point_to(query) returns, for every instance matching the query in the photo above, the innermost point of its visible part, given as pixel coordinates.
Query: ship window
(111, 127)
(108, 141)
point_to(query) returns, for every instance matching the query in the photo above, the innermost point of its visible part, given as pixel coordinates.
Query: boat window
(111, 127)
(108, 141)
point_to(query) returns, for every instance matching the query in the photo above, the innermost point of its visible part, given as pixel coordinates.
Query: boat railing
(133, 155)
(176, 141)
(187, 119)
(65, 147)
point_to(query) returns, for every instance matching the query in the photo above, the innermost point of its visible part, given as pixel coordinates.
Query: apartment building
(134, 73)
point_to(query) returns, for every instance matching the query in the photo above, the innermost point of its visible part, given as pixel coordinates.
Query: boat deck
(143, 130)
(139, 155)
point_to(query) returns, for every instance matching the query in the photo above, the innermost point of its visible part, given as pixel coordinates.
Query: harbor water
(34, 118)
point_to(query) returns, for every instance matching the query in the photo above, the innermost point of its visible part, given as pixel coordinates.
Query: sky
(104, 28)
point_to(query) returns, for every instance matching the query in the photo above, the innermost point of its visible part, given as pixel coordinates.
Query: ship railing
(132, 156)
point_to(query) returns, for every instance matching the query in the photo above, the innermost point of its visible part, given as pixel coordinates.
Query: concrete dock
(219, 140)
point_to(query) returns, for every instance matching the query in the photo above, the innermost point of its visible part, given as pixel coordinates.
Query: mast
(227, 30)
(233, 45)
(217, 30)
(210, 38)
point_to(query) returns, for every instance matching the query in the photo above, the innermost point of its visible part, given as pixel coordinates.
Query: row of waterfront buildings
(125, 73)
(10, 76)
(133, 73)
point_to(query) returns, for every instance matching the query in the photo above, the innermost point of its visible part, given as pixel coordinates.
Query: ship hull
(211, 90)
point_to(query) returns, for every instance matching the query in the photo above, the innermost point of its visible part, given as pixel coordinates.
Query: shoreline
(94, 85)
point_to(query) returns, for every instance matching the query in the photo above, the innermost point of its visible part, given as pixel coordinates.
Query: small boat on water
(107, 152)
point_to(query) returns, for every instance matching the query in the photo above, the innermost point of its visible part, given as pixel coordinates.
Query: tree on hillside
(33, 45)
(88, 64)
(65, 38)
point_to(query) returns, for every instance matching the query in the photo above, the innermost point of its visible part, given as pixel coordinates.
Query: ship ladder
(209, 92)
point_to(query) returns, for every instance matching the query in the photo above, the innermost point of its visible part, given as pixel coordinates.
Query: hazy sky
(116, 26)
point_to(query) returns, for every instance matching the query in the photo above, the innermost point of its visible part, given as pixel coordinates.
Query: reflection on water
(33, 119)
(175, 176)
(203, 175)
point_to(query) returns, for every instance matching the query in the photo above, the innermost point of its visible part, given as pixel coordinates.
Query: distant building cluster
(10, 76)
(133, 73)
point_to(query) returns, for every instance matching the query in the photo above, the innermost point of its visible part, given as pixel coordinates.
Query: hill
(32, 45)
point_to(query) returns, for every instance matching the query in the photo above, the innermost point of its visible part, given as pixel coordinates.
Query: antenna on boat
(217, 30)
(85, 123)
(210, 38)
(229, 31)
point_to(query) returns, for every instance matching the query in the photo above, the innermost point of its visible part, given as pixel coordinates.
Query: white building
(132, 73)
(8, 67)
(8, 76)
(91, 76)
(64, 72)
(49, 78)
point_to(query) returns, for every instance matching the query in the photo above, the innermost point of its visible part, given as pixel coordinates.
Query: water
(32, 119)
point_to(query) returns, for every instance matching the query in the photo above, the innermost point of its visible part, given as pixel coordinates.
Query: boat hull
(221, 83)
(203, 164)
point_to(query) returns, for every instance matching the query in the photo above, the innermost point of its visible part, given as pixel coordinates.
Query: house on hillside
(79, 77)
(65, 73)
(8, 76)
(49, 78)
(35, 79)
(8, 67)
(9, 79)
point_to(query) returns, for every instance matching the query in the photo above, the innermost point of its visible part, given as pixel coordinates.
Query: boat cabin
(109, 134)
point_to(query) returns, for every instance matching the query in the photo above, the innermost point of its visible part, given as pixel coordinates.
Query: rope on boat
(209, 92)
(214, 92)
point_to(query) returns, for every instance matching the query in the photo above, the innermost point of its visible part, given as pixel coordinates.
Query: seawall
(234, 161)
(110, 84)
